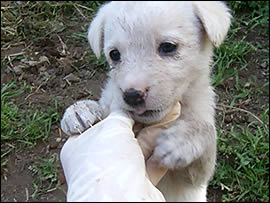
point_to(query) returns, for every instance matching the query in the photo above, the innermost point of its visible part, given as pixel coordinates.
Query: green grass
(253, 13)
(9, 113)
(243, 162)
(231, 56)
(230, 59)
(79, 36)
(242, 170)
(44, 171)
(27, 126)
(36, 20)
(100, 63)
(23, 128)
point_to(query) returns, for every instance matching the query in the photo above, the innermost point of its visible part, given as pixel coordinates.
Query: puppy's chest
(147, 134)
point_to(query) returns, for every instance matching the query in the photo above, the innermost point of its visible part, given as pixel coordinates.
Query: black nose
(134, 97)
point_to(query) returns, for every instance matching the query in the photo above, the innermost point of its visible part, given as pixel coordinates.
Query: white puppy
(160, 53)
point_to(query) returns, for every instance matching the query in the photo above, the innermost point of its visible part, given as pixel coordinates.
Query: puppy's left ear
(96, 31)
(216, 19)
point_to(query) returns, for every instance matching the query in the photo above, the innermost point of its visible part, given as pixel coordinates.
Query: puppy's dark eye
(115, 55)
(167, 48)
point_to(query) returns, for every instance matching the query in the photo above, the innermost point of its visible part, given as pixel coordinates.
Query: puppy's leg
(189, 149)
(184, 142)
(83, 114)
(80, 116)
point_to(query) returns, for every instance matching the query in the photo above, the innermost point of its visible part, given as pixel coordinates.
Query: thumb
(154, 170)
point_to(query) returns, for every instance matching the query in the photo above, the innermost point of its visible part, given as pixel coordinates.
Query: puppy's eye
(167, 48)
(115, 55)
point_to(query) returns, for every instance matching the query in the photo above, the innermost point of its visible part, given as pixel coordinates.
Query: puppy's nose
(134, 97)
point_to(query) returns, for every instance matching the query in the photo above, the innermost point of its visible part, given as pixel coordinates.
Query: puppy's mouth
(145, 113)
(149, 115)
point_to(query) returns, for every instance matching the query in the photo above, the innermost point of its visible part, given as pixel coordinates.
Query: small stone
(72, 78)
(53, 145)
(247, 85)
(65, 63)
(58, 139)
(18, 69)
(227, 119)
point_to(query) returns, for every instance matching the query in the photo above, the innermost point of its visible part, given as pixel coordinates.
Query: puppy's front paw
(176, 148)
(80, 116)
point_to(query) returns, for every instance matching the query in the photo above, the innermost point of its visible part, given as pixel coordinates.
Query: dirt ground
(49, 84)
(56, 79)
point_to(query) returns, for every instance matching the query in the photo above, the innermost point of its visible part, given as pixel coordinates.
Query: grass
(9, 112)
(230, 59)
(44, 171)
(253, 13)
(242, 170)
(101, 62)
(35, 20)
(22, 128)
(243, 161)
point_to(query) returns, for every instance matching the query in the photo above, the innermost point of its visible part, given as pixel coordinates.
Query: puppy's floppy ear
(96, 32)
(216, 19)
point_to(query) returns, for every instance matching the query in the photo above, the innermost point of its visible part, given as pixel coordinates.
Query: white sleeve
(105, 163)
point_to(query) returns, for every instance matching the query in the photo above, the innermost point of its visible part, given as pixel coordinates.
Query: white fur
(136, 29)
(216, 27)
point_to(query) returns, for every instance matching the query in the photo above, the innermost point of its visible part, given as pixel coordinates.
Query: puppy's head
(157, 50)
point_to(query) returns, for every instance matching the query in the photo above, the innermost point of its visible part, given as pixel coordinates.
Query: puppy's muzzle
(134, 97)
